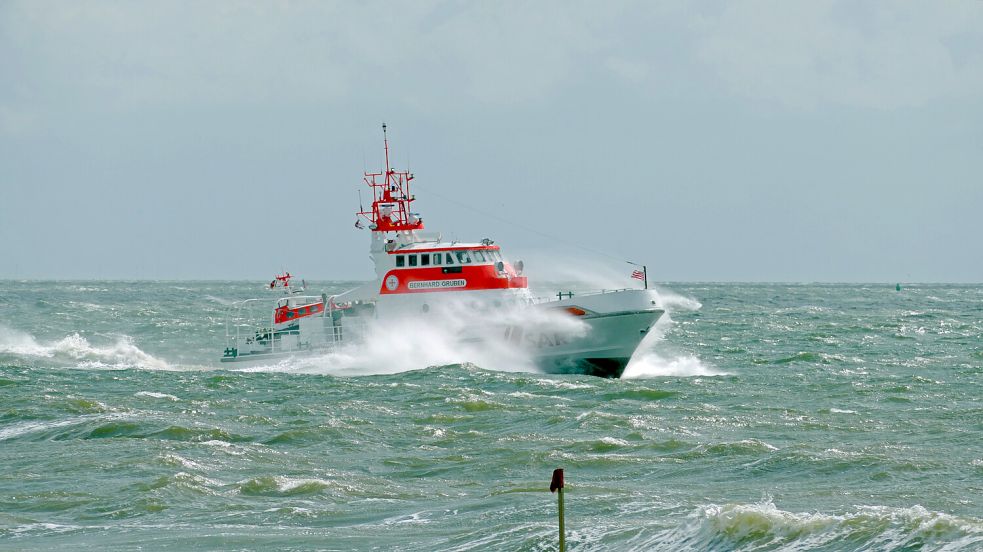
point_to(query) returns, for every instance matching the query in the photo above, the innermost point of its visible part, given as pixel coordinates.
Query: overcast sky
(713, 141)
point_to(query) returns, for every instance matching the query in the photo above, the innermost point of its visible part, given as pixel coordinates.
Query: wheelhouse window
(425, 259)
(464, 257)
(479, 256)
(450, 259)
(412, 260)
(400, 261)
(437, 257)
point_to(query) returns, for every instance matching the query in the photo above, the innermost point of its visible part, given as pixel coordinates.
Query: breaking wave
(652, 365)
(762, 526)
(76, 350)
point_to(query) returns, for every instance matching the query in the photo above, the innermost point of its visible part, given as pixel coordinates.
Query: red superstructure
(409, 263)
(391, 198)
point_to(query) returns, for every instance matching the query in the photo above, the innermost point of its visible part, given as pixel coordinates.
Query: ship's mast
(385, 144)
(391, 198)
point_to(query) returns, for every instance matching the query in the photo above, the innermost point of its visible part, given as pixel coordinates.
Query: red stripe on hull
(435, 279)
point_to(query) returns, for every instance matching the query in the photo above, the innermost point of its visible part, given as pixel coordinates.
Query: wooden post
(556, 485)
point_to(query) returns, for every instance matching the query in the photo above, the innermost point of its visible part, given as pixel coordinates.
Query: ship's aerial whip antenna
(385, 142)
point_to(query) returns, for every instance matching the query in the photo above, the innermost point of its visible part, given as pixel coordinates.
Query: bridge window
(463, 257)
(400, 261)
(425, 259)
(450, 259)
(437, 257)
(479, 257)
(412, 260)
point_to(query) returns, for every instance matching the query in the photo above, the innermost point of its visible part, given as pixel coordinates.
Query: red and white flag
(638, 275)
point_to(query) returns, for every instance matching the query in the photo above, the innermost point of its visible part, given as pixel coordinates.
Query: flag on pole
(638, 275)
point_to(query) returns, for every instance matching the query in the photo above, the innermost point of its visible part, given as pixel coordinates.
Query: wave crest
(75, 349)
(763, 526)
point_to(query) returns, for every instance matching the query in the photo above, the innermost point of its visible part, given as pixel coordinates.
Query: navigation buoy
(897, 287)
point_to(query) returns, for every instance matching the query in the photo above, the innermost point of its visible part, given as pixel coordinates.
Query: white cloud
(881, 55)
(135, 53)
(430, 55)
(129, 54)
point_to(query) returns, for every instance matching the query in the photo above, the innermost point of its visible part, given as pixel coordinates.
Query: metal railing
(571, 294)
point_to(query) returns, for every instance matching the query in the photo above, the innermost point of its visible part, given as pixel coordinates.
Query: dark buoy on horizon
(897, 287)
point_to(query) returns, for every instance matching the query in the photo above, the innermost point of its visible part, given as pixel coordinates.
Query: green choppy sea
(759, 417)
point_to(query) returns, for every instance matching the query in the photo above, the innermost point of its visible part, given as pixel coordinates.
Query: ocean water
(759, 417)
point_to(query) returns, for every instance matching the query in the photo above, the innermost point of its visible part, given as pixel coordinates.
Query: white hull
(599, 342)
(605, 350)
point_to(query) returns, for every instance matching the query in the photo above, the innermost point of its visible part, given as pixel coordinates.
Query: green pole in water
(556, 486)
(897, 287)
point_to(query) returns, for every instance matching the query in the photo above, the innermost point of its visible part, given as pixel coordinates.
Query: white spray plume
(75, 348)
(453, 332)
(589, 273)
(651, 361)
(674, 302)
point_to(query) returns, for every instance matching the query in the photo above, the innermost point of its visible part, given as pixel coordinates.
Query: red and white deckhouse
(409, 262)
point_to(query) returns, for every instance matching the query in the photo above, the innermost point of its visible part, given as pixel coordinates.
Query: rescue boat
(421, 277)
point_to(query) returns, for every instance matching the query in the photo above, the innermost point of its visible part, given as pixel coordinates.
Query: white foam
(121, 354)
(401, 344)
(184, 462)
(763, 526)
(20, 343)
(653, 365)
(287, 484)
(26, 428)
(33, 427)
(155, 395)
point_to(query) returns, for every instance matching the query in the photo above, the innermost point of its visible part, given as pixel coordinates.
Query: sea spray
(653, 359)
(651, 365)
(452, 332)
(583, 273)
(76, 350)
